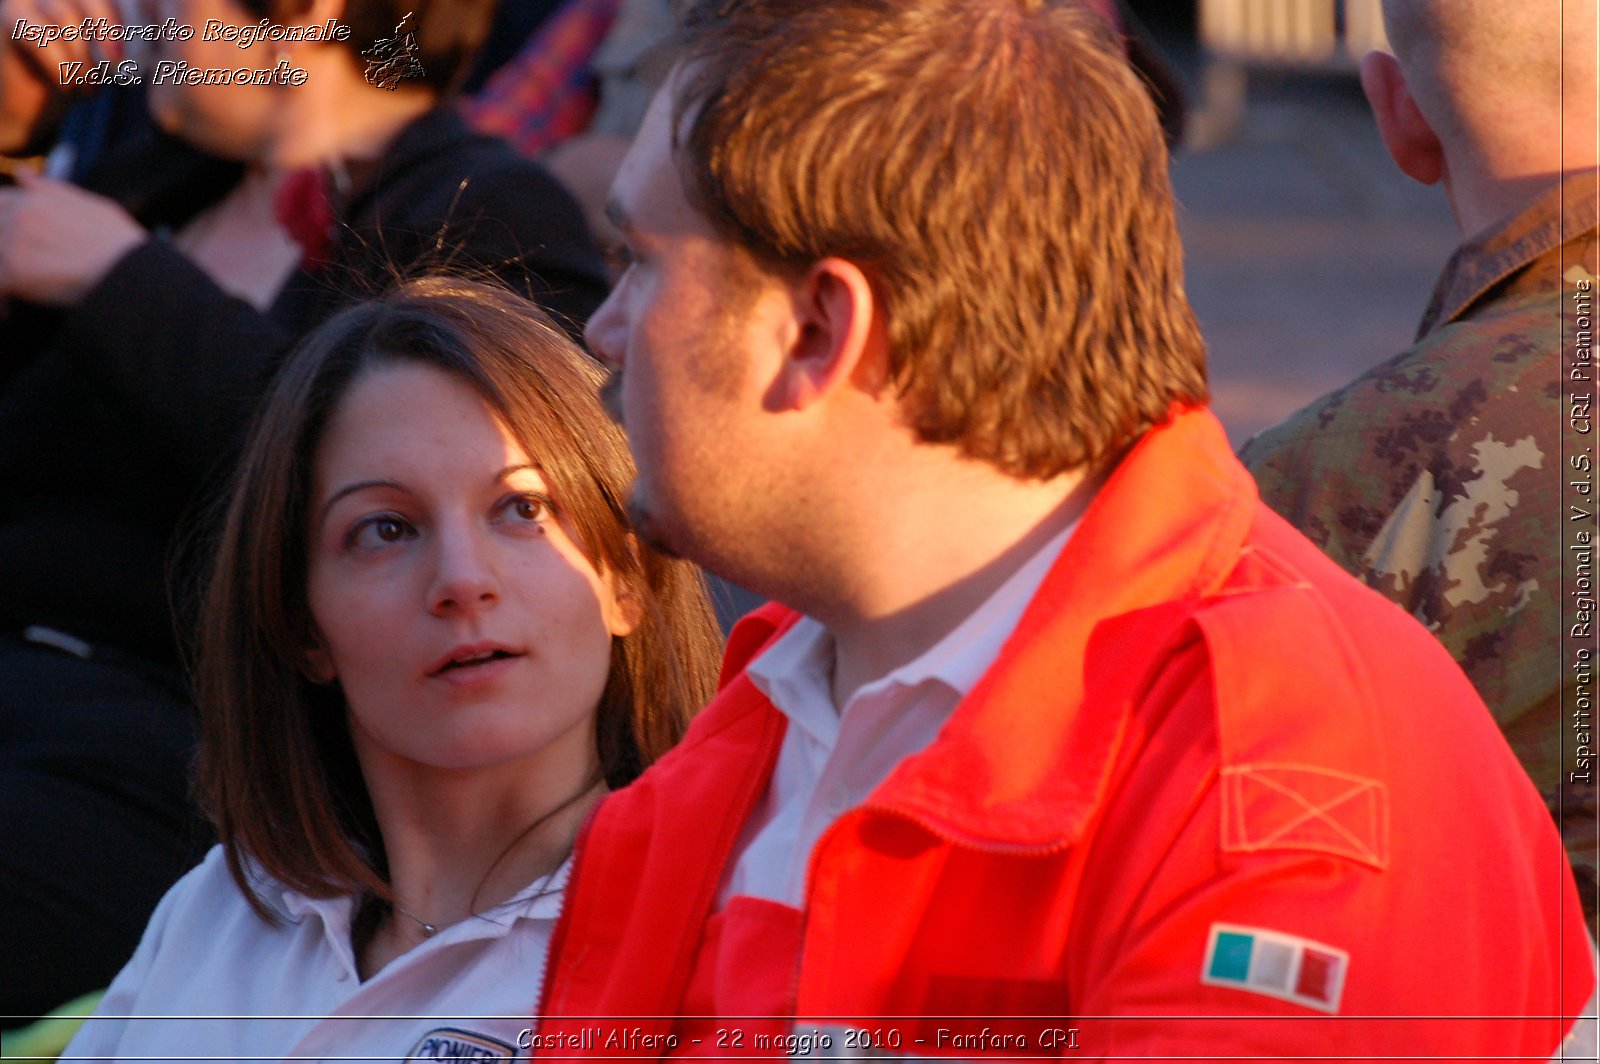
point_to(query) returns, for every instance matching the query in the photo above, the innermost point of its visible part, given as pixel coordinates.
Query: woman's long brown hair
(277, 771)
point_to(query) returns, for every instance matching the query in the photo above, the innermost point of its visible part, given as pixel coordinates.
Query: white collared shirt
(831, 760)
(212, 980)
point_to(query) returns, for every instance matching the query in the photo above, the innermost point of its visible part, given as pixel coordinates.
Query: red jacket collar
(1164, 531)
(1006, 773)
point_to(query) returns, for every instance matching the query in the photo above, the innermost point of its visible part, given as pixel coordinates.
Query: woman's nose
(464, 579)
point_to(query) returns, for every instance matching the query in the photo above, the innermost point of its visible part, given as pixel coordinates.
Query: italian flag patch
(1269, 962)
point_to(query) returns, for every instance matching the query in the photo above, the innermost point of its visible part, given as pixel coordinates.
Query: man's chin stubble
(639, 515)
(646, 528)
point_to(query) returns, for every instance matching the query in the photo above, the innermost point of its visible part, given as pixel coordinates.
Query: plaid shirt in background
(547, 92)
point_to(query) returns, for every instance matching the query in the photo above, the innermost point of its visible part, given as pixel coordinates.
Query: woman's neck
(458, 847)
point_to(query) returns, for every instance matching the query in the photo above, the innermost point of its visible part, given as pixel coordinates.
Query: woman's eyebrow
(519, 467)
(362, 485)
(351, 489)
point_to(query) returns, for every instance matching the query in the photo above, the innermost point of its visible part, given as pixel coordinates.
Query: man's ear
(1411, 141)
(838, 337)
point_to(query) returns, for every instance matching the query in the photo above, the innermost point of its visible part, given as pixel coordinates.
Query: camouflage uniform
(1437, 479)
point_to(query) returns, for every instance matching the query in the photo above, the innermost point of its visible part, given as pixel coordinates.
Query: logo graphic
(450, 1043)
(1282, 966)
(391, 60)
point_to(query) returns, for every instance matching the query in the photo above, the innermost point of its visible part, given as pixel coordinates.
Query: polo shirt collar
(796, 671)
(540, 899)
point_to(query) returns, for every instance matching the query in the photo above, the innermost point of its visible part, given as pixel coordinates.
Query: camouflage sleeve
(1435, 479)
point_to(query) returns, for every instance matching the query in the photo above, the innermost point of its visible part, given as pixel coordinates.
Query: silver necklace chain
(428, 930)
(544, 890)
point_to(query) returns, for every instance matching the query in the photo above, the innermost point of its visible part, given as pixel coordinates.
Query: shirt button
(838, 801)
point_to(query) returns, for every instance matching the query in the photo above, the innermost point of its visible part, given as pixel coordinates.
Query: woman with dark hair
(429, 645)
(140, 341)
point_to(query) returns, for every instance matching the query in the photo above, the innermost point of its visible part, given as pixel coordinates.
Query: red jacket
(1209, 799)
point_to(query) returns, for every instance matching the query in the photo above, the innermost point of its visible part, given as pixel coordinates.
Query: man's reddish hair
(997, 170)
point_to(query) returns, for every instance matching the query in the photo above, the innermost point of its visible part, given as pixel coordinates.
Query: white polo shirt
(830, 759)
(212, 980)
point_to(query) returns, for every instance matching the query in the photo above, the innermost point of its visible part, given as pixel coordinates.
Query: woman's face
(235, 121)
(451, 605)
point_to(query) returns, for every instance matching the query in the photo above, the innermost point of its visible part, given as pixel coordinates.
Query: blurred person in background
(134, 357)
(1437, 477)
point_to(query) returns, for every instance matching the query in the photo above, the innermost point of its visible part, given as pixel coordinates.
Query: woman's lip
(486, 671)
(467, 651)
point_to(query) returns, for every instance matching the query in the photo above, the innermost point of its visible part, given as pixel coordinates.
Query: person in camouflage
(1437, 476)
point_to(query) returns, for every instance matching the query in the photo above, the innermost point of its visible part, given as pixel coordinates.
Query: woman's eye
(531, 509)
(380, 530)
